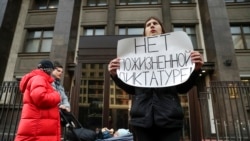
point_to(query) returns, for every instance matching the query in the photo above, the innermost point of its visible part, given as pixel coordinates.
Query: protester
(156, 113)
(57, 74)
(40, 119)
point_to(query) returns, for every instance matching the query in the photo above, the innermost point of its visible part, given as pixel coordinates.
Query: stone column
(111, 17)
(10, 52)
(65, 34)
(220, 50)
(166, 16)
(218, 41)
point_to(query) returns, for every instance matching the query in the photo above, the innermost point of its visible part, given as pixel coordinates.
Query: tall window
(137, 2)
(45, 4)
(91, 98)
(130, 31)
(237, 0)
(38, 41)
(94, 31)
(241, 37)
(96, 2)
(190, 32)
(180, 1)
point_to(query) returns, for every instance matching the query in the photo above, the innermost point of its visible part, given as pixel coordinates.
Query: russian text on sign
(156, 61)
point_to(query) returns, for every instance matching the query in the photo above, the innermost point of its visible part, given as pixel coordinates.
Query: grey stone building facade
(83, 34)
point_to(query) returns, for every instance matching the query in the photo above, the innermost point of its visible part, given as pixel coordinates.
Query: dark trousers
(156, 134)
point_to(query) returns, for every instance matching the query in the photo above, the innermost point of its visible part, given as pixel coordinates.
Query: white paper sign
(155, 61)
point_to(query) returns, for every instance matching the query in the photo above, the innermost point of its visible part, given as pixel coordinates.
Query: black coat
(158, 107)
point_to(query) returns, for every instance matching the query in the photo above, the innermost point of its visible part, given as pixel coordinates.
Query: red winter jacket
(40, 119)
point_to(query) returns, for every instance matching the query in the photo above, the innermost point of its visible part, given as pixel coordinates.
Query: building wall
(9, 11)
(20, 63)
(14, 63)
(239, 14)
(211, 19)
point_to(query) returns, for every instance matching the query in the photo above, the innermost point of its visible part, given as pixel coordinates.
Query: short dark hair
(57, 64)
(158, 20)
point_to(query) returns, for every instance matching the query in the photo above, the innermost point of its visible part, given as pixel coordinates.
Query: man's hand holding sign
(155, 61)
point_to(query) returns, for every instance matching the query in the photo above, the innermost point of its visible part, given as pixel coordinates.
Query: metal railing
(225, 111)
(10, 109)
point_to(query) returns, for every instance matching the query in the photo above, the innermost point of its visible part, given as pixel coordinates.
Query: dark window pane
(40, 4)
(136, 2)
(88, 32)
(38, 41)
(180, 1)
(122, 2)
(191, 33)
(91, 3)
(247, 37)
(130, 31)
(238, 42)
(35, 34)
(99, 32)
(32, 46)
(48, 34)
(53, 4)
(122, 31)
(243, 0)
(194, 41)
(102, 3)
(229, 0)
(235, 30)
(94, 31)
(246, 30)
(46, 45)
(175, 1)
(135, 31)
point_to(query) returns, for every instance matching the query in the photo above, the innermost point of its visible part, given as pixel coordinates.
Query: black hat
(45, 64)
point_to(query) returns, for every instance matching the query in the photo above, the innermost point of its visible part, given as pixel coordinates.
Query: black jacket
(158, 107)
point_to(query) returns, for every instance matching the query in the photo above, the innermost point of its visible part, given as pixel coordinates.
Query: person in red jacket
(40, 119)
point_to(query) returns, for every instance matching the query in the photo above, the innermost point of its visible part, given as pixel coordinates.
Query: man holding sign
(154, 69)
